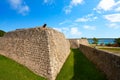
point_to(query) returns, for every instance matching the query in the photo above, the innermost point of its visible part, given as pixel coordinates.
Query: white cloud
(73, 3)
(89, 27)
(67, 9)
(45, 1)
(20, 6)
(76, 2)
(64, 22)
(113, 26)
(48, 2)
(62, 29)
(117, 6)
(69, 32)
(89, 17)
(108, 5)
(82, 20)
(94, 18)
(113, 17)
(58, 29)
(75, 31)
(117, 9)
(23, 10)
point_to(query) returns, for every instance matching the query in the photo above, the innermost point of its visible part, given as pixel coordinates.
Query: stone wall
(43, 51)
(74, 43)
(58, 50)
(107, 62)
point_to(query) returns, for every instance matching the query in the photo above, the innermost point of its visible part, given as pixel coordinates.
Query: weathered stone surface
(107, 62)
(74, 43)
(43, 51)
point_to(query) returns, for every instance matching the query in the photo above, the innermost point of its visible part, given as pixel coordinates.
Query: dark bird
(44, 26)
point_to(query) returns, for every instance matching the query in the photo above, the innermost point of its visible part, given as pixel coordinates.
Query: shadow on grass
(78, 67)
(84, 69)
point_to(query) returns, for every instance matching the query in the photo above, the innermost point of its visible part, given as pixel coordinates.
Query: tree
(2, 33)
(95, 41)
(83, 38)
(117, 41)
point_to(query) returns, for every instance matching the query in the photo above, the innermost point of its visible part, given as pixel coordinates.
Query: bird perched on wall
(44, 26)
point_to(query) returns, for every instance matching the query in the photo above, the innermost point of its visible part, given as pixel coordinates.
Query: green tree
(117, 41)
(2, 33)
(83, 38)
(95, 41)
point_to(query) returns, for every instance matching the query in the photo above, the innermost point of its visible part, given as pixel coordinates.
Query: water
(103, 40)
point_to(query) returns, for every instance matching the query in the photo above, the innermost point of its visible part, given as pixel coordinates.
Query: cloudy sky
(74, 18)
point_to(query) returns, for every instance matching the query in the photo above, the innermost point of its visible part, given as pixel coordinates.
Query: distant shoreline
(91, 38)
(102, 38)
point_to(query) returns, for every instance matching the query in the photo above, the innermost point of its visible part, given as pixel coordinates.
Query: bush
(109, 44)
(117, 41)
(2, 33)
(102, 44)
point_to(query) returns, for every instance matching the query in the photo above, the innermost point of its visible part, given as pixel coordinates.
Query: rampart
(107, 62)
(74, 43)
(43, 51)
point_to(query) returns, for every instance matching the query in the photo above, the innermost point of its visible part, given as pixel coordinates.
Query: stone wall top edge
(35, 28)
(73, 38)
(30, 30)
(76, 39)
(24, 29)
(109, 53)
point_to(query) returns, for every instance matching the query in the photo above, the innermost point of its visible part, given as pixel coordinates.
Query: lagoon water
(102, 40)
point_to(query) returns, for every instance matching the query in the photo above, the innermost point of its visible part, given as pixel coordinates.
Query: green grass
(114, 50)
(10, 70)
(78, 67)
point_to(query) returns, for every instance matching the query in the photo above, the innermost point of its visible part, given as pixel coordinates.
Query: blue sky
(74, 18)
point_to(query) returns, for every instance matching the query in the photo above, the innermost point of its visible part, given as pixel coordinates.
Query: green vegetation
(117, 41)
(83, 38)
(110, 49)
(10, 70)
(2, 33)
(95, 41)
(78, 67)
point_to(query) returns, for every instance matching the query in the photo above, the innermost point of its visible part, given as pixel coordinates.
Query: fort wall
(43, 51)
(107, 62)
(74, 43)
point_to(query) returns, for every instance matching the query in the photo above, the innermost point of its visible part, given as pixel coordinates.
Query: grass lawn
(78, 67)
(114, 50)
(10, 70)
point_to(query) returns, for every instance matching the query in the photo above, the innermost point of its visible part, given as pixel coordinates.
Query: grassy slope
(114, 50)
(78, 67)
(10, 70)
